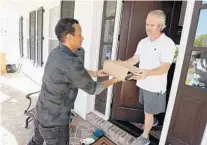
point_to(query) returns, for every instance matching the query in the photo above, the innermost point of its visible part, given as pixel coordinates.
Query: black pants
(52, 135)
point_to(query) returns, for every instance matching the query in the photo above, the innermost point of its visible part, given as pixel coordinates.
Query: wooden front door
(190, 111)
(125, 98)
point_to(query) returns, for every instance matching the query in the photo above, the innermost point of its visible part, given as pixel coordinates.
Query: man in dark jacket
(64, 74)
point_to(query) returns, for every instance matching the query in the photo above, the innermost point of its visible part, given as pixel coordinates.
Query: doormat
(103, 141)
(155, 131)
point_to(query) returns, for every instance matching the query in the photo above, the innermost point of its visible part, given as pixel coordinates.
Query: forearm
(101, 86)
(107, 83)
(159, 70)
(131, 61)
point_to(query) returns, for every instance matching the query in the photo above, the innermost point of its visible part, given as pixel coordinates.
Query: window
(109, 13)
(204, 2)
(110, 8)
(201, 32)
(197, 70)
(107, 32)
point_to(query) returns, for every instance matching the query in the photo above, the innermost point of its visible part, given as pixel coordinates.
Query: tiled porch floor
(13, 131)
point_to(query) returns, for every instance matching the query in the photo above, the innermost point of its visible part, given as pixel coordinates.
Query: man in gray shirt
(64, 74)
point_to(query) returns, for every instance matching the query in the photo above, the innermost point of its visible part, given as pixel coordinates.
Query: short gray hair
(160, 15)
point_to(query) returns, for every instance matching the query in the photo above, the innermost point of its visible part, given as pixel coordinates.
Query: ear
(160, 27)
(68, 36)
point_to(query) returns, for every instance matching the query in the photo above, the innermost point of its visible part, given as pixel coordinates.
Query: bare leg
(149, 120)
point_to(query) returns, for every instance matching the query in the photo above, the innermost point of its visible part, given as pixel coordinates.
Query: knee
(148, 114)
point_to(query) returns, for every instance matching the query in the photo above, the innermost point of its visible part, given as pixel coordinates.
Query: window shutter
(32, 35)
(21, 36)
(40, 37)
(67, 9)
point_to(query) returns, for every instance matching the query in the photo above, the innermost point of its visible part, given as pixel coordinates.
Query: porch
(14, 88)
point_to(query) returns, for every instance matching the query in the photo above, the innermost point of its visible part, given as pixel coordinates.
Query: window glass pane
(109, 30)
(110, 8)
(106, 53)
(201, 33)
(204, 1)
(197, 71)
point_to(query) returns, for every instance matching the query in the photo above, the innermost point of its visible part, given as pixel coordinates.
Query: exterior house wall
(90, 20)
(28, 67)
(9, 35)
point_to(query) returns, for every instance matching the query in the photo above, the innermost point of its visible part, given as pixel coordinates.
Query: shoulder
(60, 57)
(60, 53)
(168, 41)
(143, 42)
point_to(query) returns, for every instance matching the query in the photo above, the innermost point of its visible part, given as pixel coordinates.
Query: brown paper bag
(118, 69)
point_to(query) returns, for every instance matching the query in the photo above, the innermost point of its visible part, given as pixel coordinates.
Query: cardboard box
(3, 63)
(119, 69)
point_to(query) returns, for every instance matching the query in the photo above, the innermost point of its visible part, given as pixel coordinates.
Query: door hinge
(119, 37)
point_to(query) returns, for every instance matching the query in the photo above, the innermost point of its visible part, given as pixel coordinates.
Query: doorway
(125, 106)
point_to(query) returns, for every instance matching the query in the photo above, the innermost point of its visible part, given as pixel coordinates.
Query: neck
(70, 47)
(155, 36)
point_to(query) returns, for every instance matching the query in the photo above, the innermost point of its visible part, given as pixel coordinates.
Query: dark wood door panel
(124, 113)
(129, 108)
(100, 102)
(186, 124)
(127, 98)
(125, 22)
(188, 121)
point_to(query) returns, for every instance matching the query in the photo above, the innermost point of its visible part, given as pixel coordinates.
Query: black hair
(65, 26)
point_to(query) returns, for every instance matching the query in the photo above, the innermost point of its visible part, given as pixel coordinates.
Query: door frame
(177, 73)
(114, 53)
(117, 25)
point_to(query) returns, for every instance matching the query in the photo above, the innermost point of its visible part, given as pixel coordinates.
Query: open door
(190, 111)
(125, 105)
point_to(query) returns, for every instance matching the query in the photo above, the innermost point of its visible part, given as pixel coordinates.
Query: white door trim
(114, 55)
